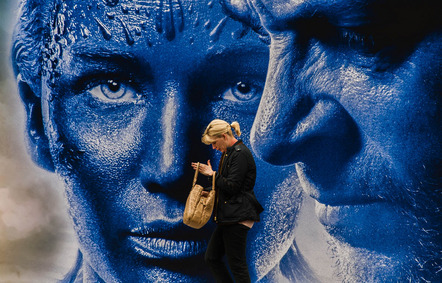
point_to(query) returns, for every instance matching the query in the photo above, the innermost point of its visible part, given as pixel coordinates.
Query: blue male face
(352, 98)
(127, 87)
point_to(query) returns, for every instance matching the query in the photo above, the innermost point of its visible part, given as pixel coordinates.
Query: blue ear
(38, 143)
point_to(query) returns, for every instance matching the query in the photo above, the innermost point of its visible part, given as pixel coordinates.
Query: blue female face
(127, 89)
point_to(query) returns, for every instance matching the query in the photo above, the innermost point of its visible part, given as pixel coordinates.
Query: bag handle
(196, 174)
(195, 177)
(213, 180)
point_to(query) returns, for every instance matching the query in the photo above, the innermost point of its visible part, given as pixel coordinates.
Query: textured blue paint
(118, 93)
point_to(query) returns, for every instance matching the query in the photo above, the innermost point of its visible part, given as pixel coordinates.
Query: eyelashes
(358, 40)
(367, 38)
(114, 91)
(242, 92)
(352, 38)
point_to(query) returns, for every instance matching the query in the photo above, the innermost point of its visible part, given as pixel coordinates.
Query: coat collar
(230, 148)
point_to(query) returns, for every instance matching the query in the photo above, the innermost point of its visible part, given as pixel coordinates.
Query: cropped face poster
(102, 108)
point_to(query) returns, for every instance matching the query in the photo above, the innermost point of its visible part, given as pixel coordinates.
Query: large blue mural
(103, 104)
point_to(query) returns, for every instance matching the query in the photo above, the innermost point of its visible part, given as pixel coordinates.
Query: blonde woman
(236, 207)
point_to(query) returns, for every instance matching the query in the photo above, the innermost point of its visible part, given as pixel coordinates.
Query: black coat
(235, 200)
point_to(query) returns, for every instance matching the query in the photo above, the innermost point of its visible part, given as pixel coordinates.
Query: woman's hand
(205, 169)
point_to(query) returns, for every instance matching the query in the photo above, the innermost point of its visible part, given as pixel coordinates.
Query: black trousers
(229, 240)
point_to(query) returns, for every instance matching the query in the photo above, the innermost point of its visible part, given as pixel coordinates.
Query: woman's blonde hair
(217, 128)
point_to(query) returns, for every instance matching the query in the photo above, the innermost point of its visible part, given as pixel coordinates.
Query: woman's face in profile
(128, 89)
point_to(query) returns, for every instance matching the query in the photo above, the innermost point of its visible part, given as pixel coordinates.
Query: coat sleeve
(231, 184)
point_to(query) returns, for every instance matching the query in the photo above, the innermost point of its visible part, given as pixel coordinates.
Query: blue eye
(358, 40)
(114, 91)
(242, 92)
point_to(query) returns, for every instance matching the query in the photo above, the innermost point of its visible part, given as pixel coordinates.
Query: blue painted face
(352, 98)
(127, 91)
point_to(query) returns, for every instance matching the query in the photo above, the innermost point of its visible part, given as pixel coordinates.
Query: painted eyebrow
(105, 54)
(217, 57)
(236, 50)
(113, 58)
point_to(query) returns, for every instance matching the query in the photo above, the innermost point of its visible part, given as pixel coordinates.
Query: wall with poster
(103, 103)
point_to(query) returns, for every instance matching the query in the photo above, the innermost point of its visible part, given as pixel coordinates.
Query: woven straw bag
(198, 208)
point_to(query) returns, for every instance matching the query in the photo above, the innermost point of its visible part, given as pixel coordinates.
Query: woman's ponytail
(236, 128)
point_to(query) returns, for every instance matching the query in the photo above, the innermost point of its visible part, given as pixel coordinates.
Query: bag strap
(196, 174)
(213, 180)
(195, 177)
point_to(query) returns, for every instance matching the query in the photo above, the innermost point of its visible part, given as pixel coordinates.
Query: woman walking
(236, 207)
